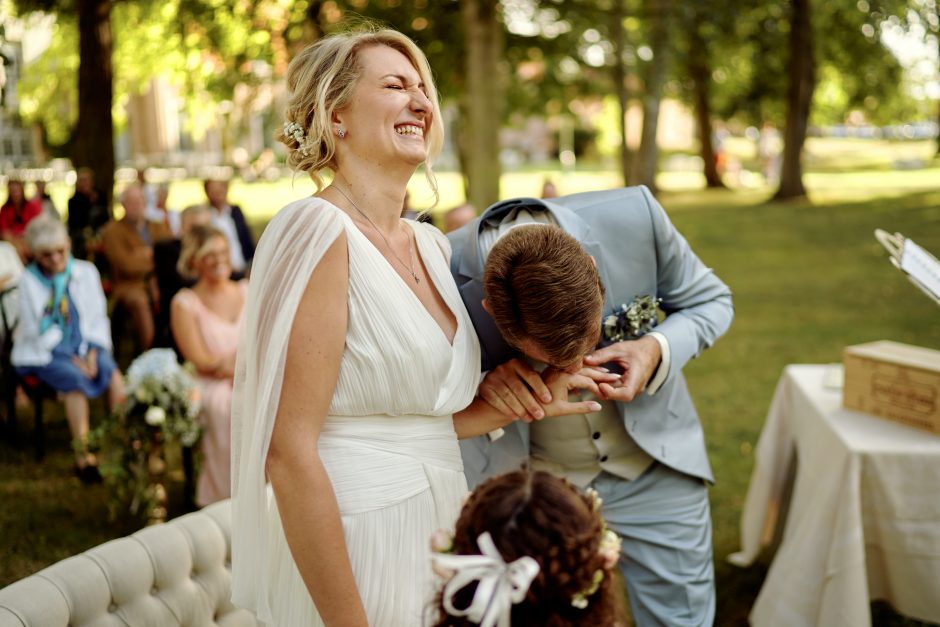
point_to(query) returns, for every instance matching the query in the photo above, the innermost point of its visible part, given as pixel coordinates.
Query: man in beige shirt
(128, 246)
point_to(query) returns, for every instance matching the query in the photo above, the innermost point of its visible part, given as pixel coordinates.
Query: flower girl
(529, 549)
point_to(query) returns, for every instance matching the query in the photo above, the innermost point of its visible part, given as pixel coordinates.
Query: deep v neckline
(401, 281)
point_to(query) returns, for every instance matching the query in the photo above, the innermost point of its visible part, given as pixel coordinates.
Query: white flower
(609, 548)
(155, 416)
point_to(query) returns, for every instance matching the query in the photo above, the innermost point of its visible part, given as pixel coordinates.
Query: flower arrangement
(161, 407)
(629, 322)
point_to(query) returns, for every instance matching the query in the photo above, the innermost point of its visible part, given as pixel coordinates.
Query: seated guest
(87, 212)
(230, 220)
(128, 245)
(64, 336)
(206, 321)
(15, 214)
(166, 255)
(172, 218)
(560, 555)
(43, 198)
(11, 269)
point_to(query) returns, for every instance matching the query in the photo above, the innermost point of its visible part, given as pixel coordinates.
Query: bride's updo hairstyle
(321, 80)
(547, 518)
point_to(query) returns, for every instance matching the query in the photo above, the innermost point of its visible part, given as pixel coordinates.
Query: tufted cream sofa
(176, 573)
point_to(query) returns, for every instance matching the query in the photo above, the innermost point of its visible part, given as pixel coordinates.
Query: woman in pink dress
(206, 320)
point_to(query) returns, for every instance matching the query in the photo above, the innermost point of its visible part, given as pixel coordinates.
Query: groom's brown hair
(541, 285)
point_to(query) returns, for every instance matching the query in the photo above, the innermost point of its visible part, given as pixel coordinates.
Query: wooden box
(894, 381)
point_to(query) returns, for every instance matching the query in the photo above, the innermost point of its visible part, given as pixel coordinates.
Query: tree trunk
(646, 162)
(94, 133)
(620, 85)
(483, 98)
(802, 71)
(700, 75)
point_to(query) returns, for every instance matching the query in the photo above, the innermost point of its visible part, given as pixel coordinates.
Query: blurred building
(18, 144)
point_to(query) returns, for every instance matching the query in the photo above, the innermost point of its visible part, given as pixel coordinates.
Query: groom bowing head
(550, 280)
(544, 294)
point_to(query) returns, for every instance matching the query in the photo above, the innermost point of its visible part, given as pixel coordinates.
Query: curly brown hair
(548, 519)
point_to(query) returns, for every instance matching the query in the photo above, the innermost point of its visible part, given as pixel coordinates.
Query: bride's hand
(561, 383)
(511, 388)
(516, 390)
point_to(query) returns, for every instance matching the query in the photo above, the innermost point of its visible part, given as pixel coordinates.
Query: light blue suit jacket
(638, 252)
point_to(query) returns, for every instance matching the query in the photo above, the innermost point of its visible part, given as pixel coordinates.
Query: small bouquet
(161, 407)
(628, 322)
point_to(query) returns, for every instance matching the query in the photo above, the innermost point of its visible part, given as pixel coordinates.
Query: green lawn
(808, 278)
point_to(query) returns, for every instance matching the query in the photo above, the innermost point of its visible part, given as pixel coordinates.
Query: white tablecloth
(864, 517)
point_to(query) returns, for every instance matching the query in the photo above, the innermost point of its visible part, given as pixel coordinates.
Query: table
(864, 517)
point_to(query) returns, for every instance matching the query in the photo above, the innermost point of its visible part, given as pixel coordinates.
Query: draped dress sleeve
(291, 247)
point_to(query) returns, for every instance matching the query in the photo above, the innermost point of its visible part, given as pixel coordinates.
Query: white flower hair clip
(292, 129)
(499, 585)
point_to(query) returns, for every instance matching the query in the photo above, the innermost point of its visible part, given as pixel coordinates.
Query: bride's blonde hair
(321, 80)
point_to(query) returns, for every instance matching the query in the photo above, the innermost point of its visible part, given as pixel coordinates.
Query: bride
(357, 363)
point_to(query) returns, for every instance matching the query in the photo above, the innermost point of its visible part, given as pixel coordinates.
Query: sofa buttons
(596, 435)
(112, 608)
(603, 458)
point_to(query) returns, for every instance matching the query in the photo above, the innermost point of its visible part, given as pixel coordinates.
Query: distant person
(150, 192)
(11, 269)
(87, 212)
(170, 217)
(128, 245)
(43, 198)
(549, 190)
(769, 152)
(458, 216)
(550, 536)
(230, 220)
(206, 321)
(15, 214)
(166, 255)
(64, 335)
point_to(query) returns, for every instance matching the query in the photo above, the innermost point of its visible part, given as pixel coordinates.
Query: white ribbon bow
(499, 586)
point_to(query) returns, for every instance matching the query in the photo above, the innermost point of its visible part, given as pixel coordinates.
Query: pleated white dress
(388, 445)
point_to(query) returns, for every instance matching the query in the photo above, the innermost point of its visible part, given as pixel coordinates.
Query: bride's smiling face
(389, 113)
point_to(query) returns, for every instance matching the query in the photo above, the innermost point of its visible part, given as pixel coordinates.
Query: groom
(644, 451)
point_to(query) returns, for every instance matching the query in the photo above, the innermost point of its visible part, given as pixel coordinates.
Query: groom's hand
(639, 360)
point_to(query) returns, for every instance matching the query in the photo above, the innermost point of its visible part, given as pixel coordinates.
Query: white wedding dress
(388, 445)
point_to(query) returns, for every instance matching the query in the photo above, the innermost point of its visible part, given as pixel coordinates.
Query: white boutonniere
(631, 321)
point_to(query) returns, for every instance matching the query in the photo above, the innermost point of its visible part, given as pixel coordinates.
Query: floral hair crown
(292, 129)
(608, 548)
(500, 585)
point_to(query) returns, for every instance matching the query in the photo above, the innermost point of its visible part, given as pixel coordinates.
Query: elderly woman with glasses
(64, 336)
